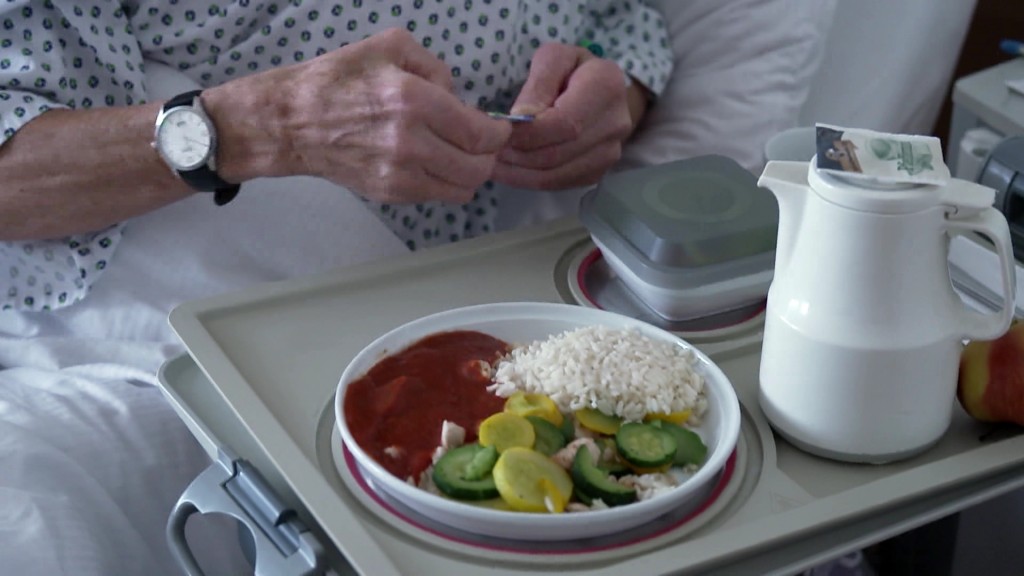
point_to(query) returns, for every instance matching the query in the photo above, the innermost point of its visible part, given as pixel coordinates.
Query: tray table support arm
(282, 544)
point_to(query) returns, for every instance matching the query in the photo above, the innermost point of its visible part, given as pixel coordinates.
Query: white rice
(620, 372)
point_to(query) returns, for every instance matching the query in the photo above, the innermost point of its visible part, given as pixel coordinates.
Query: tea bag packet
(878, 157)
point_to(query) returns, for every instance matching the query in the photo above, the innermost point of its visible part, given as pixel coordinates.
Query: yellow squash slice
(530, 481)
(593, 419)
(506, 430)
(553, 500)
(525, 404)
(674, 417)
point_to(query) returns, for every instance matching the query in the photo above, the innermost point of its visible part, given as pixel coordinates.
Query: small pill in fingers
(514, 118)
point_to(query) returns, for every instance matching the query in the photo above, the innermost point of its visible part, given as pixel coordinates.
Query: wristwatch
(186, 139)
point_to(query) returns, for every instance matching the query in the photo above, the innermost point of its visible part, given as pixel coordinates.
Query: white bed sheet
(91, 462)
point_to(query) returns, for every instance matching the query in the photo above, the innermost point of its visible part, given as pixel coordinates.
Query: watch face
(184, 139)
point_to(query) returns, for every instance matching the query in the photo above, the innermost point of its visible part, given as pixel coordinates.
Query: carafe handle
(991, 224)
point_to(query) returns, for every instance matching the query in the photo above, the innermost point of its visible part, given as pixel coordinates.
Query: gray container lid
(685, 223)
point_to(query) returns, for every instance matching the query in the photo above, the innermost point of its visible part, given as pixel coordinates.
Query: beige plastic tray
(264, 364)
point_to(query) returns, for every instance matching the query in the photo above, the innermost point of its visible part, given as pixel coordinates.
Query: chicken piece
(565, 456)
(452, 435)
(649, 486)
(427, 482)
(438, 453)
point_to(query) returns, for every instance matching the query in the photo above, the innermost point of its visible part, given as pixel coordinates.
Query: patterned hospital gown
(65, 54)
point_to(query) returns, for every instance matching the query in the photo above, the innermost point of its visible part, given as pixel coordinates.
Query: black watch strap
(207, 180)
(183, 99)
(202, 178)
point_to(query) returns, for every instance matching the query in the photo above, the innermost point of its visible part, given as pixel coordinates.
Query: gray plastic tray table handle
(282, 544)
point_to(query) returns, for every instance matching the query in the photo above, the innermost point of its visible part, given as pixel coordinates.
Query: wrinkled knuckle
(404, 152)
(574, 128)
(387, 101)
(387, 136)
(399, 37)
(406, 89)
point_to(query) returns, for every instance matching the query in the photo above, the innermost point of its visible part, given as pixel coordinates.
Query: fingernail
(527, 109)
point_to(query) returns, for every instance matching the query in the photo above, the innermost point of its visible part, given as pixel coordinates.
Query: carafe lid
(876, 197)
(878, 172)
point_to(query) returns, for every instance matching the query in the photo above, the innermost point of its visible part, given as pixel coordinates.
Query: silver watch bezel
(196, 108)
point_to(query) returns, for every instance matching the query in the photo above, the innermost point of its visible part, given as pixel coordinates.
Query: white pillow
(742, 73)
(888, 66)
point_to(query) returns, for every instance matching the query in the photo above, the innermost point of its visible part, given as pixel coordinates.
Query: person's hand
(379, 117)
(582, 120)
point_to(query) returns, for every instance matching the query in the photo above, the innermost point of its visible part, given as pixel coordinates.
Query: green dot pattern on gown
(80, 55)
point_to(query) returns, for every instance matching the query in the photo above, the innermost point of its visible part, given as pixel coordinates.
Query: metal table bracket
(282, 544)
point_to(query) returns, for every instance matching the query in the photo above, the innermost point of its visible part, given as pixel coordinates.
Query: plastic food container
(689, 238)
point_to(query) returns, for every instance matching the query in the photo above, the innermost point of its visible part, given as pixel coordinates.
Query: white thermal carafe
(863, 330)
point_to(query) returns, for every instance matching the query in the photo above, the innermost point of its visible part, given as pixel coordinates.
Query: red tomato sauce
(403, 400)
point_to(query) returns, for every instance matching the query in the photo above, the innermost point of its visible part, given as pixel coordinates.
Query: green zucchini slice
(450, 474)
(548, 437)
(644, 445)
(593, 482)
(690, 449)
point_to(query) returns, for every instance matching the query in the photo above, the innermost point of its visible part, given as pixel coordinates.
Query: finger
(593, 88)
(416, 101)
(411, 56)
(444, 190)
(451, 172)
(549, 128)
(454, 165)
(582, 171)
(406, 183)
(422, 185)
(613, 129)
(462, 126)
(546, 158)
(550, 68)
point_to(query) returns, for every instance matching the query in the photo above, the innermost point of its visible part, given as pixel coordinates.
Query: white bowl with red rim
(521, 323)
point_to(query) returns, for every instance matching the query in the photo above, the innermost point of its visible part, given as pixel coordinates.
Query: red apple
(991, 381)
